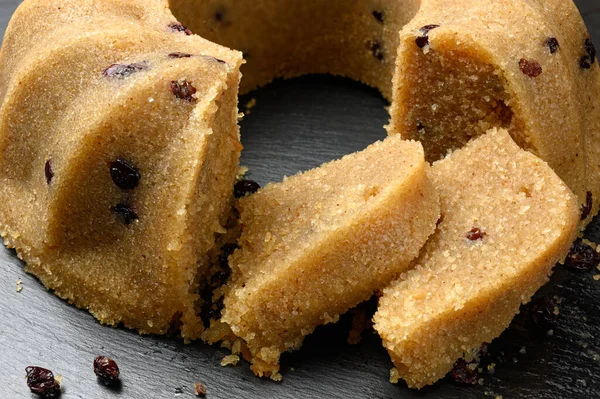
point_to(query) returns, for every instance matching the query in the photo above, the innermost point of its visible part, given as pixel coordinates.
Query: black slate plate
(295, 125)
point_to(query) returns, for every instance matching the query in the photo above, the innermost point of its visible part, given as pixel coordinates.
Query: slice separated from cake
(321, 242)
(507, 218)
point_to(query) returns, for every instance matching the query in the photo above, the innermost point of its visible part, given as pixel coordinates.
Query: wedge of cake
(321, 242)
(507, 218)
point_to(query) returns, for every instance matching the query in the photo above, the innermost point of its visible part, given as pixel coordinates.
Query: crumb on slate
(394, 376)
(200, 389)
(230, 360)
(249, 105)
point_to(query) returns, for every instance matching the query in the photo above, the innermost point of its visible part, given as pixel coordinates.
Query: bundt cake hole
(352, 39)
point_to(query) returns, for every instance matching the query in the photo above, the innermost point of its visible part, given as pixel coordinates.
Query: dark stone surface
(295, 125)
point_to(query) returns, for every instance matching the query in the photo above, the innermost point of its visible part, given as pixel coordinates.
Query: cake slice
(507, 218)
(321, 242)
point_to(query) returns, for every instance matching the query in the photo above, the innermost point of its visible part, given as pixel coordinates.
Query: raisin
(41, 381)
(48, 171)
(124, 174)
(125, 213)
(184, 91)
(552, 44)
(475, 234)
(423, 39)
(376, 49)
(219, 16)
(199, 389)
(465, 372)
(542, 314)
(378, 16)
(590, 49)
(178, 27)
(106, 369)
(245, 187)
(179, 55)
(121, 71)
(582, 257)
(531, 68)
(589, 58)
(587, 208)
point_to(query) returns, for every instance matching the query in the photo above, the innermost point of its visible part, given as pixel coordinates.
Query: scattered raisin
(542, 314)
(179, 55)
(589, 58)
(124, 174)
(423, 39)
(41, 381)
(465, 372)
(582, 257)
(587, 208)
(48, 171)
(531, 68)
(552, 44)
(378, 15)
(376, 49)
(178, 27)
(475, 234)
(125, 213)
(120, 71)
(184, 90)
(245, 187)
(199, 389)
(106, 369)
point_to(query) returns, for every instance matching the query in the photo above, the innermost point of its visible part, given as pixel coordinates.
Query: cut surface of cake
(321, 242)
(506, 219)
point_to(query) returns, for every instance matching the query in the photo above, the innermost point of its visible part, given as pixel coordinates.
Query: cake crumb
(199, 390)
(242, 170)
(597, 277)
(58, 379)
(230, 360)
(523, 350)
(394, 375)
(276, 377)
(249, 105)
(19, 285)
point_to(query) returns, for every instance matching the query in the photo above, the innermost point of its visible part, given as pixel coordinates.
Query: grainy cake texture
(506, 220)
(118, 136)
(109, 183)
(321, 242)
